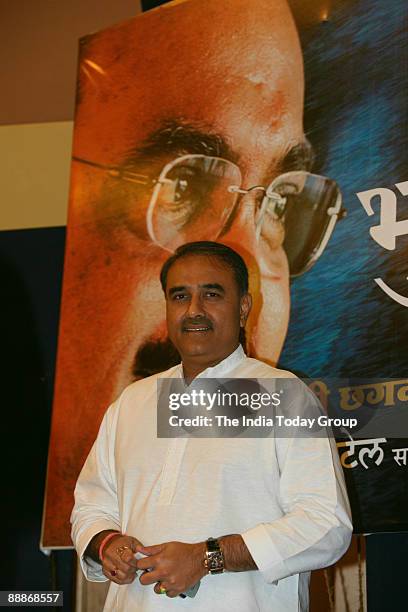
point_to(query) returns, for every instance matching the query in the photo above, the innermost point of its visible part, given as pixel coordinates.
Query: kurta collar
(225, 366)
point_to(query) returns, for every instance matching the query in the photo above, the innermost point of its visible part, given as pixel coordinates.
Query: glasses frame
(162, 180)
(335, 212)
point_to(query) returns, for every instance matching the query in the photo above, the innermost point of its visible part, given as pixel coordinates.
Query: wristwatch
(214, 557)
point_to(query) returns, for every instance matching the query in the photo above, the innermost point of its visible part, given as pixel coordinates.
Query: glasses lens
(192, 200)
(308, 209)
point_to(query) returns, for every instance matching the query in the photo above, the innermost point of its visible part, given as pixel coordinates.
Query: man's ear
(245, 308)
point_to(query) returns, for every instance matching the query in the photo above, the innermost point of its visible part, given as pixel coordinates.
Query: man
(278, 507)
(165, 96)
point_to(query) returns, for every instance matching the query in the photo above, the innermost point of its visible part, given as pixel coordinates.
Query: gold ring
(121, 549)
(163, 591)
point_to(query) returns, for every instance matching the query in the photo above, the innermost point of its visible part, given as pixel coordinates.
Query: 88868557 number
(31, 598)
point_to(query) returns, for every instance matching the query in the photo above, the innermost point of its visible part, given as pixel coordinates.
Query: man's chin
(194, 344)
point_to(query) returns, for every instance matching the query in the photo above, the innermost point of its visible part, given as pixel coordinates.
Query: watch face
(215, 561)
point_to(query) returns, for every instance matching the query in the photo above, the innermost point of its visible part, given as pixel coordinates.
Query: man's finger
(116, 561)
(158, 588)
(146, 563)
(127, 555)
(130, 559)
(114, 574)
(150, 578)
(118, 575)
(150, 550)
(134, 544)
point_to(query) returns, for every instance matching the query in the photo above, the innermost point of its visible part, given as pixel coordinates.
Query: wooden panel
(40, 48)
(35, 166)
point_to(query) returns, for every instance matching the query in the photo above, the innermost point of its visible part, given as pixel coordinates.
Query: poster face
(189, 128)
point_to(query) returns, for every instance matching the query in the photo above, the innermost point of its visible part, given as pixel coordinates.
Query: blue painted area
(342, 323)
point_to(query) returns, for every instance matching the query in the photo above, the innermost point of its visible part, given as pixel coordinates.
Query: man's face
(204, 309)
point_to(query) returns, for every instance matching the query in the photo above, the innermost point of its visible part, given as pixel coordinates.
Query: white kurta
(285, 496)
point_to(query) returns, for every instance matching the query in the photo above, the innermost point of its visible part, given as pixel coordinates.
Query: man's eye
(179, 296)
(184, 193)
(212, 294)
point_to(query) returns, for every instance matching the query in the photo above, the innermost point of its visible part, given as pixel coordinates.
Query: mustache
(195, 322)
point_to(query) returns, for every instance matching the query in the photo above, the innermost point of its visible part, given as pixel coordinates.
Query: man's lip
(198, 328)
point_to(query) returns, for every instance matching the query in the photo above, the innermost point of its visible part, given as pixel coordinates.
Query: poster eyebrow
(181, 139)
(299, 157)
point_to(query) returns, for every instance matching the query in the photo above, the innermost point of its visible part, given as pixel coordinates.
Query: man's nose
(195, 306)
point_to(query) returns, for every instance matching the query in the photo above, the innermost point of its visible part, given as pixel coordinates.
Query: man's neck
(192, 368)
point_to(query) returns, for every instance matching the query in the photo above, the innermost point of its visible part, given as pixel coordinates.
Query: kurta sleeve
(96, 504)
(315, 528)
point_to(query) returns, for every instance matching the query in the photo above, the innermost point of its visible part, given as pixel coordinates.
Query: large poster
(192, 123)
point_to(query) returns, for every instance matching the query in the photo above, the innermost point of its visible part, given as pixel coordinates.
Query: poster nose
(253, 241)
(241, 233)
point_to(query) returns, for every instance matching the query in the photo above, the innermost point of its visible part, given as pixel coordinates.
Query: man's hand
(118, 563)
(174, 566)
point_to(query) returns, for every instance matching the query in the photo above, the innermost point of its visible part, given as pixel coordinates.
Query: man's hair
(223, 253)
